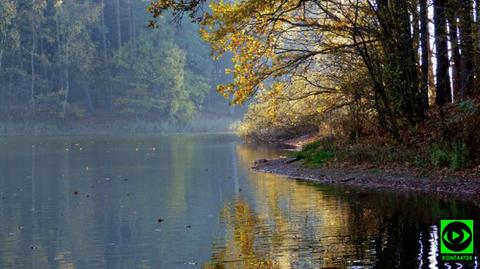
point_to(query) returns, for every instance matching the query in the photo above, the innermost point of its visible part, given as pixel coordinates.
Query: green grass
(316, 153)
(455, 156)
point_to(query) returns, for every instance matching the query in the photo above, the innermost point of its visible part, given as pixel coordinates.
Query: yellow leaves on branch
(239, 28)
(269, 39)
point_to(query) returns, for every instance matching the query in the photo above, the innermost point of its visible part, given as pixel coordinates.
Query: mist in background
(95, 66)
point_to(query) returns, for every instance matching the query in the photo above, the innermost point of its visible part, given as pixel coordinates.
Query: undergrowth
(454, 156)
(317, 153)
(442, 142)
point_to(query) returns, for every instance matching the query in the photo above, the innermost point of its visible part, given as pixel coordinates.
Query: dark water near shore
(96, 202)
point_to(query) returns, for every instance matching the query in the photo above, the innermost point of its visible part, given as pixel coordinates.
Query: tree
(57, 62)
(160, 85)
(443, 80)
(466, 47)
(453, 34)
(425, 51)
(275, 41)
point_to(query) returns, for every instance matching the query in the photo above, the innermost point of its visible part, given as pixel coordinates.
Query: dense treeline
(408, 68)
(64, 60)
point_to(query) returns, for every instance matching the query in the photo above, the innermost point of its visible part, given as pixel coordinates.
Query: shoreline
(116, 134)
(395, 179)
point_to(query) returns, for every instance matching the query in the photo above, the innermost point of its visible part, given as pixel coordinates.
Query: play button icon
(457, 236)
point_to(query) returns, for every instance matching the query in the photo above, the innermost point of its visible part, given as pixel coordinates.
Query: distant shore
(106, 126)
(395, 179)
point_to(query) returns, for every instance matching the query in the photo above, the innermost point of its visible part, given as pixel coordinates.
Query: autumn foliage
(355, 68)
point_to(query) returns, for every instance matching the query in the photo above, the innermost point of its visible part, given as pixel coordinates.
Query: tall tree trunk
(425, 49)
(443, 80)
(456, 60)
(46, 71)
(104, 31)
(119, 26)
(67, 79)
(130, 23)
(466, 47)
(431, 77)
(134, 31)
(106, 86)
(59, 48)
(32, 60)
(88, 96)
(477, 44)
(412, 101)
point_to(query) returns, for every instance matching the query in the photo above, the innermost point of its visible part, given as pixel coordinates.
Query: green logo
(456, 237)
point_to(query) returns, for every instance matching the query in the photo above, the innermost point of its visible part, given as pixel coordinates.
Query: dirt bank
(397, 179)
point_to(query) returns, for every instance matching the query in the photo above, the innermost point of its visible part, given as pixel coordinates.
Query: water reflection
(285, 224)
(95, 202)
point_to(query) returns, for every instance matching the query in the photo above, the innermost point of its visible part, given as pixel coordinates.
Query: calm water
(95, 202)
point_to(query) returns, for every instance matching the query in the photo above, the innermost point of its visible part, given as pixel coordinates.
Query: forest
(239, 134)
(368, 73)
(399, 72)
(66, 64)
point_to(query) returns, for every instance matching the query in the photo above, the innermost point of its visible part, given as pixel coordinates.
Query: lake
(192, 201)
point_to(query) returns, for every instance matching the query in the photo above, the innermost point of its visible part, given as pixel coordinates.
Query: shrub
(456, 156)
(460, 157)
(320, 157)
(439, 156)
(318, 152)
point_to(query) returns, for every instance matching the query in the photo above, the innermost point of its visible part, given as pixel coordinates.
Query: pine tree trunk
(425, 48)
(477, 44)
(104, 32)
(67, 80)
(32, 61)
(412, 101)
(466, 47)
(130, 23)
(443, 80)
(59, 48)
(119, 26)
(455, 52)
(88, 97)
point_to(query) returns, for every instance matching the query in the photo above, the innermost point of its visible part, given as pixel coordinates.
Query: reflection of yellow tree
(293, 225)
(240, 250)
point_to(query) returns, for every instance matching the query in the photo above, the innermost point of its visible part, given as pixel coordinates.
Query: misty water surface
(191, 201)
